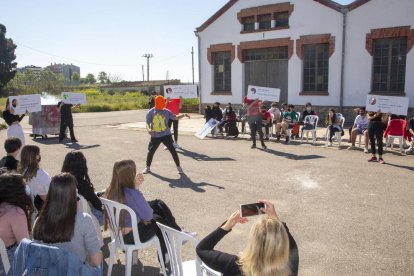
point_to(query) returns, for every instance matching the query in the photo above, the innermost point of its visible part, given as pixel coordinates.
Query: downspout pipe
(199, 71)
(344, 12)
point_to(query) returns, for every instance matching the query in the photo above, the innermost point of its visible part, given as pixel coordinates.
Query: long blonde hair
(123, 176)
(267, 251)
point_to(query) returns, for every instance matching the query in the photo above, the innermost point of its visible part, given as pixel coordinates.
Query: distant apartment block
(66, 70)
(34, 69)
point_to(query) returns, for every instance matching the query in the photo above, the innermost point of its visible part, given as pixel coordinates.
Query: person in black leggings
(376, 132)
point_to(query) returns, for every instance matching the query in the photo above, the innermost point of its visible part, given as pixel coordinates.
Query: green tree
(7, 56)
(90, 78)
(75, 77)
(102, 77)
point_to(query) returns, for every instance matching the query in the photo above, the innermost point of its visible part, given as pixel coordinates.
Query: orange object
(159, 102)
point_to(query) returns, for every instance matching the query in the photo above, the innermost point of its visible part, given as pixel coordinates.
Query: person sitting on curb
(360, 127)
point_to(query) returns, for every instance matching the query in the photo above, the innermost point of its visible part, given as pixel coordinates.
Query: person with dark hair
(151, 99)
(333, 121)
(217, 114)
(13, 121)
(230, 122)
(377, 123)
(289, 119)
(36, 178)
(360, 127)
(15, 212)
(66, 120)
(157, 127)
(266, 120)
(75, 164)
(12, 146)
(241, 116)
(254, 118)
(59, 224)
(307, 112)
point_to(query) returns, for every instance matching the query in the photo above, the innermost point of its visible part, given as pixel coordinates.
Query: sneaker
(264, 146)
(351, 147)
(381, 161)
(266, 138)
(287, 139)
(330, 144)
(373, 159)
(365, 150)
(146, 170)
(253, 146)
(165, 148)
(177, 146)
(180, 170)
(74, 141)
(277, 137)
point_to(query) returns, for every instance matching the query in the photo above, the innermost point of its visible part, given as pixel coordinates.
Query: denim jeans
(10, 255)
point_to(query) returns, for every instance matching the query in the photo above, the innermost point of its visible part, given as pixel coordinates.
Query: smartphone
(252, 209)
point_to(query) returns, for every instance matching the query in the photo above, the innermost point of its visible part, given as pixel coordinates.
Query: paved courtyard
(348, 216)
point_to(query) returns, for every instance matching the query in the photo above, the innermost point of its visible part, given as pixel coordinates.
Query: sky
(110, 36)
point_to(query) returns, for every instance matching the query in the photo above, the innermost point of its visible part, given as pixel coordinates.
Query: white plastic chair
(85, 208)
(174, 241)
(312, 120)
(113, 210)
(4, 257)
(289, 131)
(338, 134)
(390, 142)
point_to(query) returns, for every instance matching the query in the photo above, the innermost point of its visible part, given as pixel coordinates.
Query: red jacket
(395, 127)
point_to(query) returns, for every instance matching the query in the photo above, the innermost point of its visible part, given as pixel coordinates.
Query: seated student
(230, 122)
(12, 146)
(356, 110)
(75, 164)
(308, 111)
(333, 121)
(283, 108)
(266, 120)
(360, 127)
(59, 224)
(270, 250)
(275, 112)
(36, 178)
(411, 132)
(289, 118)
(15, 211)
(241, 116)
(125, 188)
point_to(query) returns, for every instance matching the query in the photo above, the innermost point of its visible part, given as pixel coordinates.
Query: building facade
(34, 69)
(313, 50)
(66, 70)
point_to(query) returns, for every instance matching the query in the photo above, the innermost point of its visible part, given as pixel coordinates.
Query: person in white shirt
(360, 127)
(275, 112)
(35, 178)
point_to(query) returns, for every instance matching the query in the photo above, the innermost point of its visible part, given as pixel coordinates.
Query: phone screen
(252, 209)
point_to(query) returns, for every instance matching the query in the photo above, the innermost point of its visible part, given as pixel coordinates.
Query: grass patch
(98, 101)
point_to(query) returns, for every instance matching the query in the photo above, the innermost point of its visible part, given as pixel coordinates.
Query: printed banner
(388, 104)
(263, 93)
(21, 104)
(73, 98)
(184, 91)
(207, 128)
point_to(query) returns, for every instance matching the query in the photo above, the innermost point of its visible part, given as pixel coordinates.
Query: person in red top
(266, 120)
(174, 105)
(254, 118)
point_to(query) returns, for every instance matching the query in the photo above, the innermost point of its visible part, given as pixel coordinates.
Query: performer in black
(66, 120)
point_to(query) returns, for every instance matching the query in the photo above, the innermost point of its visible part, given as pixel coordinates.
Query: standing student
(377, 124)
(13, 121)
(157, 127)
(254, 118)
(151, 99)
(66, 120)
(174, 105)
(12, 146)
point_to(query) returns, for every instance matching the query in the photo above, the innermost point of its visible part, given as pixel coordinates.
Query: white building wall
(308, 18)
(358, 62)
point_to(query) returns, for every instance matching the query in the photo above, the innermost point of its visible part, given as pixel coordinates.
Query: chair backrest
(84, 207)
(113, 211)
(297, 117)
(312, 119)
(396, 127)
(174, 240)
(4, 256)
(342, 119)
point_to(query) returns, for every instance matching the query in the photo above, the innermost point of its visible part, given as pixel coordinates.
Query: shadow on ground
(202, 157)
(186, 183)
(68, 145)
(291, 155)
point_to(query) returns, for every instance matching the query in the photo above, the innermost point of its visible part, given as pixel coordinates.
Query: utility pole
(147, 56)
(192, 61)
(143, 77)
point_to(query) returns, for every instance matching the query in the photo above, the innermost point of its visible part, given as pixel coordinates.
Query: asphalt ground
(348, 216)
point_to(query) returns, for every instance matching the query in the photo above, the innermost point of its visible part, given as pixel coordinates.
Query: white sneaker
(330, 144)
(165, 148)
(146, 170)
(180, 170)
(365, 150)
(177, 146)
(351, 148)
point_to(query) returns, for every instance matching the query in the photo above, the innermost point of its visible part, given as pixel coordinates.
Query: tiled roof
(329, 3)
